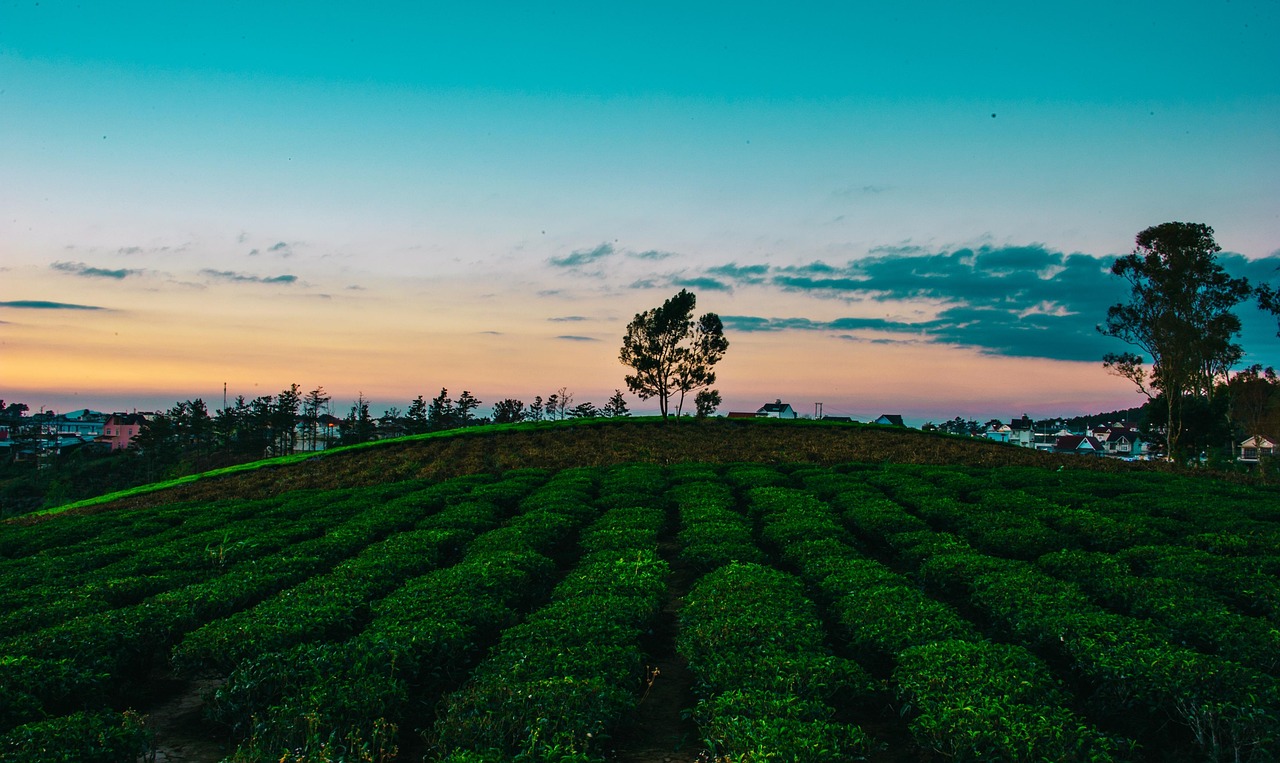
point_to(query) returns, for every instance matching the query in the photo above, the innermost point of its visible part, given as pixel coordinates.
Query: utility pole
(817, 411)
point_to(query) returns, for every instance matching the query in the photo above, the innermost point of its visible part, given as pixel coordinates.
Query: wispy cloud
(572, 338)
(87, 271)
(580, 257)
(234, 277)
(651, 254)
(279, 249)
(568, 319)
(701, 282)
(39, 304)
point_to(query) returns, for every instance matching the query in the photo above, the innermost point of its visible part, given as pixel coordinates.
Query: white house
(776, 410)
(1255, 448)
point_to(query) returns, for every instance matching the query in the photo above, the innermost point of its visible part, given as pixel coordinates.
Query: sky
(894, 207)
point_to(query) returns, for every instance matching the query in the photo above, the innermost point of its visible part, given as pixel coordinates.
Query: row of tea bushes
(556, 686)
(1226, 709)
(712, 532)
(333, 605)
(124, 643)
(422, 638)
(1192, 614)
(766, 681)
(967, 698)
(103, 736)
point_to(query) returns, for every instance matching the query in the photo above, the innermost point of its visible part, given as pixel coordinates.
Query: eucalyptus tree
(1180, 314)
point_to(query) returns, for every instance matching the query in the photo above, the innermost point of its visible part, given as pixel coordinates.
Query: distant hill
(598, 442)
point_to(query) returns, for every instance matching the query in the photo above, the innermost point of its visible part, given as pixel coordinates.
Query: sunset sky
(895, 207)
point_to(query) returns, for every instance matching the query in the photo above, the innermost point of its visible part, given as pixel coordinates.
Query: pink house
(121, 428)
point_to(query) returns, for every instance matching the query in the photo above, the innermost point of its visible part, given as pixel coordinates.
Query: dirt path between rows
(659, 732)
(181, 735)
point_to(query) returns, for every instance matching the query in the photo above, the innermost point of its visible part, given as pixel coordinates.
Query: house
(82, 423)
(998, 431)
(890, 419)
(1022, 432)
(121, 429)
(1254, 449)
(1078, 444)
(777, 410)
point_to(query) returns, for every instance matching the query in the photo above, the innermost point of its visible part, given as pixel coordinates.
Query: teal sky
(225, 152)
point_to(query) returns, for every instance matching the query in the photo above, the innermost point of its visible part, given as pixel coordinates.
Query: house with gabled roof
(1078, 444)
(890, 419)
(1254, 449)
(777, 410)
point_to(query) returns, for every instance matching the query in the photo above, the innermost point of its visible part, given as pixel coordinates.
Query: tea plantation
(825, 612)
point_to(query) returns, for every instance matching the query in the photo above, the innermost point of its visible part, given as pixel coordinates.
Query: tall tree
(315, 403)
(1180, 314)
(536, 409)
(440, 413)
(670, 352)
(464, 406)
(284, 420)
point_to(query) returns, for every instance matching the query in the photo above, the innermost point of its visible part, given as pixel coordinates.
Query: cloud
(36, 304)
(81, 269)
(651, 254)
(743, 274)
(704, 283)
(232, 276)
(572, 338)
(581, 257)
(1020, 301)
(568, 319)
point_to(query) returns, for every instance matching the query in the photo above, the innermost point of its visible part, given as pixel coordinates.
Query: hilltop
(594, 442)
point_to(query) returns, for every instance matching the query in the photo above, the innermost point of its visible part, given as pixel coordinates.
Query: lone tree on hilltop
(1179, 313)
(672, 353)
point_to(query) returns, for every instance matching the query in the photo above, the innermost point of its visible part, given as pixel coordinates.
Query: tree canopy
(671, 353)
(1179, 313)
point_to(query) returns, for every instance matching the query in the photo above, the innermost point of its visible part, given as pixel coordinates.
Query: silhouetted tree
(1269, 300)
(440, 413)
(617, 405)
(670, 353)
(535, 409)
(1254, 394)
(357, 427)
(314, 404)
(1179, 313)
(508, 411)
(585, 410)
(706, 402)
(416, 417)
(464, 406)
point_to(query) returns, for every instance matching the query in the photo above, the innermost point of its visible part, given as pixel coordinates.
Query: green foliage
(82, 737)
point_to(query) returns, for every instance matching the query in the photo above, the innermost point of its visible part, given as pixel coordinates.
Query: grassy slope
(588, 443)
